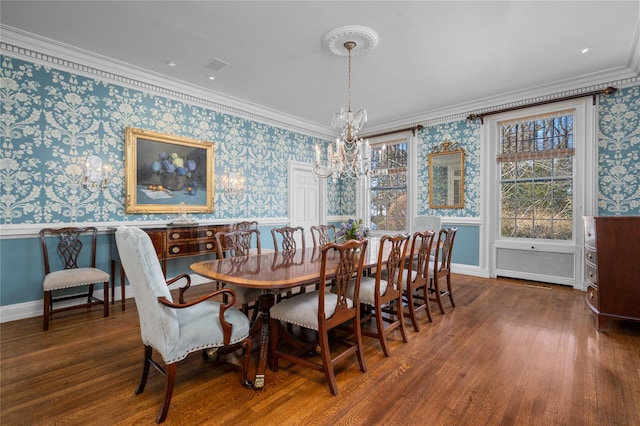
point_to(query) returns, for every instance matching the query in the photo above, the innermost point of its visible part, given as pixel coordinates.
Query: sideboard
(612, 269)
(171, 242)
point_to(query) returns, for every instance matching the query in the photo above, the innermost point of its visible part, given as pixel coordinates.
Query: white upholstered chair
(175, 330)
(427, 223)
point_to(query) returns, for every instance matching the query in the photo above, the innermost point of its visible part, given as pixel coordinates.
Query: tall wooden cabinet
(612, 267)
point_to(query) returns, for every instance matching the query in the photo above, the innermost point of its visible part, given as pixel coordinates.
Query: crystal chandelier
(349, 156)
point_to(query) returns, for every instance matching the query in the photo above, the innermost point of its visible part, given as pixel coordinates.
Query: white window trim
(363, 186)
(585, 184)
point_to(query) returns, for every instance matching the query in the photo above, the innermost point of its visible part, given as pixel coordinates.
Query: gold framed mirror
(446, 176)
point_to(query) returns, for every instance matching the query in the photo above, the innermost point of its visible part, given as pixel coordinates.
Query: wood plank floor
(507, 354)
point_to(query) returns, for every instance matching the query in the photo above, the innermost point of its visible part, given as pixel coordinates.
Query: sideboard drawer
(176, 234)
(592, 298)
(190, 248)
(590, 256)
(591, 273)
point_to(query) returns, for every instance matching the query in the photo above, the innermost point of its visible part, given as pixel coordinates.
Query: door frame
(322, 189)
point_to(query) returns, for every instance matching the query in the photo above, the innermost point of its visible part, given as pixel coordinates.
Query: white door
(307, 198)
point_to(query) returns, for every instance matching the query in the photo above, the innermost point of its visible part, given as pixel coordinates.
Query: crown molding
(31, 47)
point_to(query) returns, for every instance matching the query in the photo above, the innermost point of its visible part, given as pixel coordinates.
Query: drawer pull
(209, 233)
(209, 246)
(175, 235)
(175, 249)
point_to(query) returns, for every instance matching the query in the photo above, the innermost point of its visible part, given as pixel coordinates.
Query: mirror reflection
(446, 176)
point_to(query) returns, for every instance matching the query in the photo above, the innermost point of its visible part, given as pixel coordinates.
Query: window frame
(363, 186)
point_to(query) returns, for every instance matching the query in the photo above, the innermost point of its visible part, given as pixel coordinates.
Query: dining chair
(323, 234)
(287, 237)
(415, 282)
(440, 267)
(239, 244)
(172, 329)
(71, 269)
(322, 311)
(245, 225)
(427, 223)
(380, 295)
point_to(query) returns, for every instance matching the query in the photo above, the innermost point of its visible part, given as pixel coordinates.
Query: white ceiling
(432, 56)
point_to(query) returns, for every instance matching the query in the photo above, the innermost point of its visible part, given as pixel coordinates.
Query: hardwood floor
(507, 354)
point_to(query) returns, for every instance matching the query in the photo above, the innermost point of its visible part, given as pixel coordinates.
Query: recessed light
(585, 50)
(172, 64)
(212, 77)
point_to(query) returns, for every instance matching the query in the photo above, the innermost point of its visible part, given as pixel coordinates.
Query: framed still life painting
(167, 174)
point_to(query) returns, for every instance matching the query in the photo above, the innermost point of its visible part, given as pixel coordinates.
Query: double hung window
(536, 172)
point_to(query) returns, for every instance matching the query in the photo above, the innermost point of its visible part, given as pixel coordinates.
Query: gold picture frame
(446, 176)
(167, 174)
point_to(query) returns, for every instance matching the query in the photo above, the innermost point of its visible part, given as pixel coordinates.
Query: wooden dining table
(273, 272)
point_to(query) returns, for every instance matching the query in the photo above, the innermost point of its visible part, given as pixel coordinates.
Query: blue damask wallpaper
(467, 135)
(51, 120)
(619, 153)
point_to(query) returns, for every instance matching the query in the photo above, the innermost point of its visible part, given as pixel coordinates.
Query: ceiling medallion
(365, 38)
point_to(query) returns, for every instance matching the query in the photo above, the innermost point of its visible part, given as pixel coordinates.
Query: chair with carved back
(74, 268)
(322, 311)
(172, 329)
(323, 234)
(246, 225)
(415, 282)
(239, 244)
(383, 297)
(288, 239)
(440, 267)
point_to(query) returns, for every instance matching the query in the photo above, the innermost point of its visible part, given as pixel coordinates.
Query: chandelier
(349, 155)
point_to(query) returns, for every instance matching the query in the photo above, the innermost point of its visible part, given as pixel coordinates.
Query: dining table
(274, 272)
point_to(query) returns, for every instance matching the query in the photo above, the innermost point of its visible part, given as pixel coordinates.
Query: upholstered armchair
(172, 329)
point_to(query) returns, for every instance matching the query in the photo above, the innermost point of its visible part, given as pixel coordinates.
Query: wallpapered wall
(467, 134)
(619, 153)
(51, 120)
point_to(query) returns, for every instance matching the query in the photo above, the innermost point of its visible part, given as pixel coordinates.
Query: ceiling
(431, 57)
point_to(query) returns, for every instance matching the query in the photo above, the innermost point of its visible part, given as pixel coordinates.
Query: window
(536, 168)
(388, 186)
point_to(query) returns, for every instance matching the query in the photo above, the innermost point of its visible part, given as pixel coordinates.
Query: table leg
(265, 302)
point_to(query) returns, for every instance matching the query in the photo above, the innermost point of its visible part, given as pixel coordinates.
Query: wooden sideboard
(612, 267)
(171, 242)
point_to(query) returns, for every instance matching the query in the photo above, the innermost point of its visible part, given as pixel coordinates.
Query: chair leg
(412, 310)
(357, 331)
(90, 294)
(145, 369)
(427, 307)
(106, 298)
(449, 290)
(46, 313)
(247, 344)
(436, 290)
(403, 329)
(381, 332)
(168, 392)
(325, 352)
